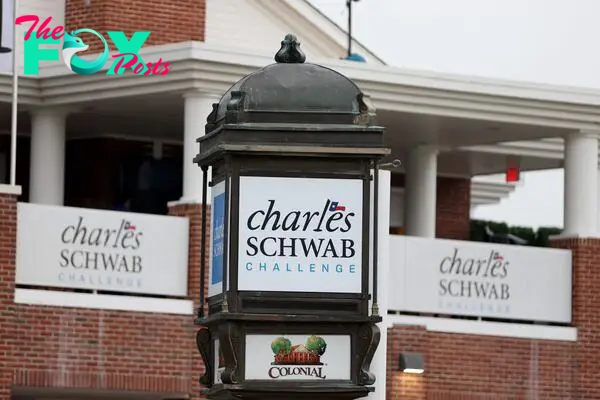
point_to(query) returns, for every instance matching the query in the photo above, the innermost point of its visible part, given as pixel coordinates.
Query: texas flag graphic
(335, 206)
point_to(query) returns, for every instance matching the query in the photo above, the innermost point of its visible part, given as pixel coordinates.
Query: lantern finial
(290, 52)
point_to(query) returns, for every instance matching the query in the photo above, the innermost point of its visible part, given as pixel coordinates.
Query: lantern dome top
(292, 92)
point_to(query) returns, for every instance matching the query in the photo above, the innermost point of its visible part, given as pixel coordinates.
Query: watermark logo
(128, 56)
(73, 45)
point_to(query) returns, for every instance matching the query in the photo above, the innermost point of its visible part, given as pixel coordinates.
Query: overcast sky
(546, 41)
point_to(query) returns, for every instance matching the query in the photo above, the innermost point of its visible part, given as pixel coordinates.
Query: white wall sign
(300, 234)
(216, 260)
(479, 279)
(102, 250)
(298, 357)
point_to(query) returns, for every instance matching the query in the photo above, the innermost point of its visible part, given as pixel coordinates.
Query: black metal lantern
(293, 149)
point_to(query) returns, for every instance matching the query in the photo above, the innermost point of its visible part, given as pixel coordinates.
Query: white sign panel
(300, 235)
(102, 250)
(298, 357)
(217, 240)
(477, 279)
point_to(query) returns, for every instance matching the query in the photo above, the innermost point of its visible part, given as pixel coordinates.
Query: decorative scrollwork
(203, 342)
(369, 336)
(230, 339)
(234, 106)
(366, 108)
(211, 120)
(235, 101)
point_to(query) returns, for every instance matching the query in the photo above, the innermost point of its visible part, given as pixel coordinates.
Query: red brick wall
(80, 348)
(470, 367)
(194, 213)
(94, 349)
(586, 313)
(170, 21)
(453, 206)
(8, 244)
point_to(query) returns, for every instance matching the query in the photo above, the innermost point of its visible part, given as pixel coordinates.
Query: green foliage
(543, 234)
(281, 345)
(539, 238)
(317, 344)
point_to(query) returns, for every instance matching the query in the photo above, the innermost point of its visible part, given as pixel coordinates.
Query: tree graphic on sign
(308, 353)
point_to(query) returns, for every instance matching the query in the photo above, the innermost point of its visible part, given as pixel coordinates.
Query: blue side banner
(217, 234)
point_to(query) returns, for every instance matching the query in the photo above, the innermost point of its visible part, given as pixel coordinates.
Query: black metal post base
(341, 391)
(231, 330)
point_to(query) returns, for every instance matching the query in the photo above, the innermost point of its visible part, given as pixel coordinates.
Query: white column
(198, 106)
(379, 363)
(581, 184)
(420, 192)
(47, 169)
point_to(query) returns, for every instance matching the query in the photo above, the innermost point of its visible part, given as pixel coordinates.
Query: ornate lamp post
(293, 148)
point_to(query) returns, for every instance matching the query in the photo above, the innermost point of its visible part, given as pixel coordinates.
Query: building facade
(100, 238)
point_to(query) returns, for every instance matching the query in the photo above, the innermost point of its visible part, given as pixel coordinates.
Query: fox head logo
(72, 45)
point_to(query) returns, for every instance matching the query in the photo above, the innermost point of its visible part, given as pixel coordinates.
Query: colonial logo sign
(101, 250)
(281, 357)
(299, 234)
(299, 359)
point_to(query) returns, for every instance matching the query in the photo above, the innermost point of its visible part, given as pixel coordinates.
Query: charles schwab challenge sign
(298, 357)
(480, 279)
(101, 250)
(300, 234)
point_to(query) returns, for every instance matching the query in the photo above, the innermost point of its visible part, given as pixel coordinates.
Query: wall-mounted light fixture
(88, 3)
(412, 363)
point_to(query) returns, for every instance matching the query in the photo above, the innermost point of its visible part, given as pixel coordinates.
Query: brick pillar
(586, 312)
(400, 385)
(194, 213)
(8, 247)
(453, 208)
(170, 21)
